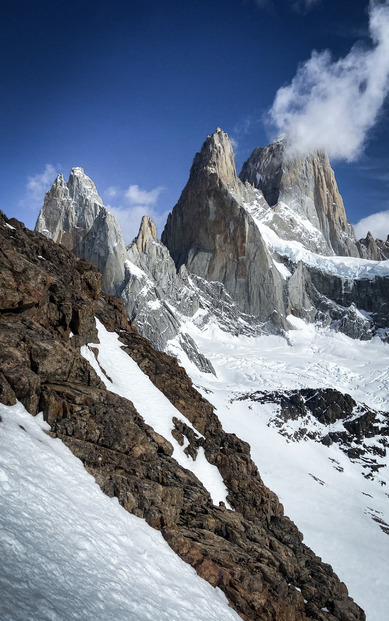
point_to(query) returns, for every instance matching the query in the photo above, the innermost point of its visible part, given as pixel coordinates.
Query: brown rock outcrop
(254, 554)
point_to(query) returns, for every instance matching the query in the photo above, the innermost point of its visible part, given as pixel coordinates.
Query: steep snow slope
(70, 552)
(123, 376)
(295, 251)
(344, 515)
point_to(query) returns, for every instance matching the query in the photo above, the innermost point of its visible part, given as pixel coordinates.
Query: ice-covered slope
(349, 293)
(293, 250)
(70, 552)
(339, 500)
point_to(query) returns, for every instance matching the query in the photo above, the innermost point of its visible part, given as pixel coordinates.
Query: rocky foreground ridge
(242, 251)
(254, 553)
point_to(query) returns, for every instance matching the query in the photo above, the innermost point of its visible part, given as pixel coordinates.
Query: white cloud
(37, 186)
(235, 144)
(331, 105)
(130, 219)
(243, 126)
(129, 206)
(376, 223)
(111, 192)
(135, 195)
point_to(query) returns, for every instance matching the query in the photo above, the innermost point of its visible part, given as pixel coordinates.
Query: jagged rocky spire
(308, 186)
(147, 232)
(210, 232)
(217, 157)
(73, 214)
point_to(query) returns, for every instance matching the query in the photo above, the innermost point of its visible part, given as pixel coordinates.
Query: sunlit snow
(68, 552)
(344, 267)
(127, 380)
(324, 492)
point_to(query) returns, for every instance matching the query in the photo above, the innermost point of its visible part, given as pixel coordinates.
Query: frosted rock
(73, 214)
(308, 187)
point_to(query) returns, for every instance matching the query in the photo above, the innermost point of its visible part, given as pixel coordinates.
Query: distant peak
(217, 156)
(59, 181)
(80, 185)
(147, 231)
(77, 170)
(220, 137)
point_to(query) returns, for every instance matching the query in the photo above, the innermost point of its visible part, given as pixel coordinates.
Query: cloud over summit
(130, 205)
(332, 104)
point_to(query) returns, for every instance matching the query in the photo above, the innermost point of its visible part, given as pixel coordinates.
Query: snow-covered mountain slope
(123, 376)
(49, 301)
(338, 495)
(253, 293)
(294, 250)
(70, 552)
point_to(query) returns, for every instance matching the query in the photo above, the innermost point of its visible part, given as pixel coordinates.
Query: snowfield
(68, 552)
(322, 490)
(71, 553)
(349, 268)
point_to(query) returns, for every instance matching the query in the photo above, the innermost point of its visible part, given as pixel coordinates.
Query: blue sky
(129, 90)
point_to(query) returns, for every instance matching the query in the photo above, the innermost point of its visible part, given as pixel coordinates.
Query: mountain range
(279, 318)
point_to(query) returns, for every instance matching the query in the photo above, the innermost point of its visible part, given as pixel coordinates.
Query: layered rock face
(255, 554)
(212, 234)
(308, 186)
(333, 300)
(73, 214)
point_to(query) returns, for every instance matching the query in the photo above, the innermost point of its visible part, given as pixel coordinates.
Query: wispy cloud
(37, 186)
(235, 144)
(143, 197)
(330, 104)
(376, 223)
(111, 192)
(304, 6)
(244, 125)
(298, 6)
(242, 128)
(129, 206)
(264, 4)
